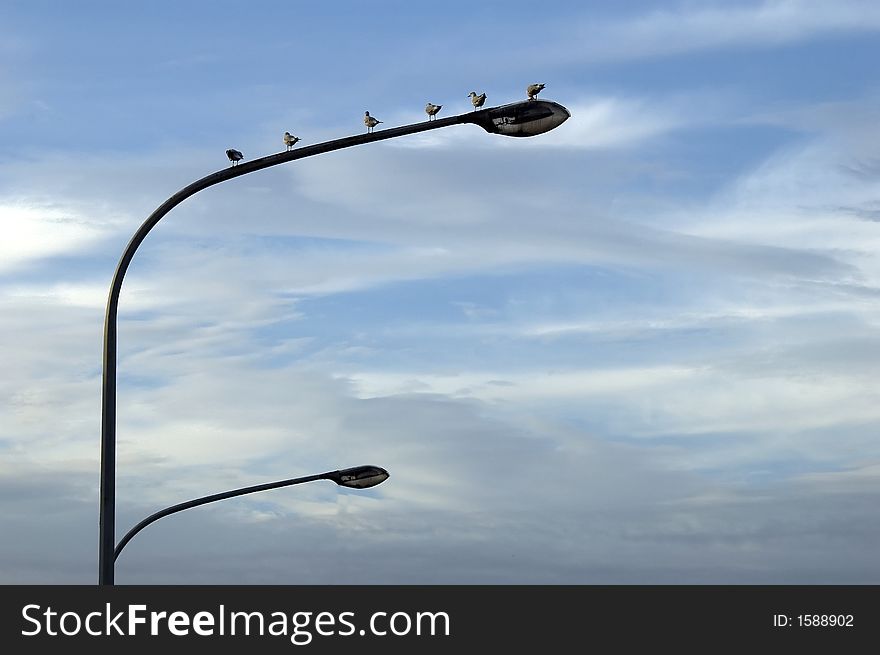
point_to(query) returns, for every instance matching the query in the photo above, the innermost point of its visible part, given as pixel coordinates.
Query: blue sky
(641, 348)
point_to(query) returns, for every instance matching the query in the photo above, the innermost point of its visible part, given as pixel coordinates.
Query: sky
(639, 349)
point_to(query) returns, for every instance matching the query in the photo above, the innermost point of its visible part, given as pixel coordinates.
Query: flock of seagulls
(532, 91)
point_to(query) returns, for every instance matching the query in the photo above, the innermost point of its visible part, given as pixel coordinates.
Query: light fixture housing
(359, 477)
(526, 118)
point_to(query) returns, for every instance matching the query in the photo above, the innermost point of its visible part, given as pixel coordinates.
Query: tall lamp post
(521, 119)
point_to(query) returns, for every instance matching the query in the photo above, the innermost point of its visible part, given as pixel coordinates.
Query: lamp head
(526, 118)
(359, 477)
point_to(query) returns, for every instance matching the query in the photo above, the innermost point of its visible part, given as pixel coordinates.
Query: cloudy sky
(642, 348)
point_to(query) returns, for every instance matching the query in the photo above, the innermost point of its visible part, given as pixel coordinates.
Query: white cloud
(695, 28)
(660, 400)
(518, 387)
(58, 294)
(612, 123)
(34, 232)
(817, 195)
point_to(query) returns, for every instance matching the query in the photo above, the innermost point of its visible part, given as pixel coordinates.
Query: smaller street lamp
(358, 477)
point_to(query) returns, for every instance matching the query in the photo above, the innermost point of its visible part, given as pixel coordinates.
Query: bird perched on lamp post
(533, 90)
(290, 140)
(234, 156)
(370, 121)
(431, 110)
(477, 100)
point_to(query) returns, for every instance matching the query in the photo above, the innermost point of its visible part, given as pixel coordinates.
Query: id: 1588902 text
(813, 621)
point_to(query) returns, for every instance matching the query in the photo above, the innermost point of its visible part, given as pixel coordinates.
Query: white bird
(432, 110)
(234, 156)
(533, 90)
(370, 122)
(477, 100)
(290, 140)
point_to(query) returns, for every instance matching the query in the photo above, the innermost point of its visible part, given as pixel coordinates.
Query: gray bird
(533, 90)
(432, 110)
(234, 156)
(370, 122)
(477, 100)
(290, 140)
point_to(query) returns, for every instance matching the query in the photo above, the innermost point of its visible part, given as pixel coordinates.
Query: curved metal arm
(212, 498)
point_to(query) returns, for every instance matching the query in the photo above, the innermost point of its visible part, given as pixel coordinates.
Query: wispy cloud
(35, 232)
(694, 28)
(812, 195)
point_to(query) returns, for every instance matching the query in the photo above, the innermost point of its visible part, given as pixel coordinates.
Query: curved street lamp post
(520, 119)
(359, 477)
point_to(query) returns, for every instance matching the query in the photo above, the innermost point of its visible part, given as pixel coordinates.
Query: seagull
(533, 90)
(477, 100)
(432, 110)
(370, 122)
(290, 140)
(234, 156)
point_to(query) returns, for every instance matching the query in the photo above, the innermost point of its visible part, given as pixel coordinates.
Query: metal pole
(107, 519)
(210, 499)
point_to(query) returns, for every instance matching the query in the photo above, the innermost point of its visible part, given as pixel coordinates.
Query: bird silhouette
(234, 156)
(477, 100)
(290, 140)
(370, 122)
(533, 90)
(432, 110)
